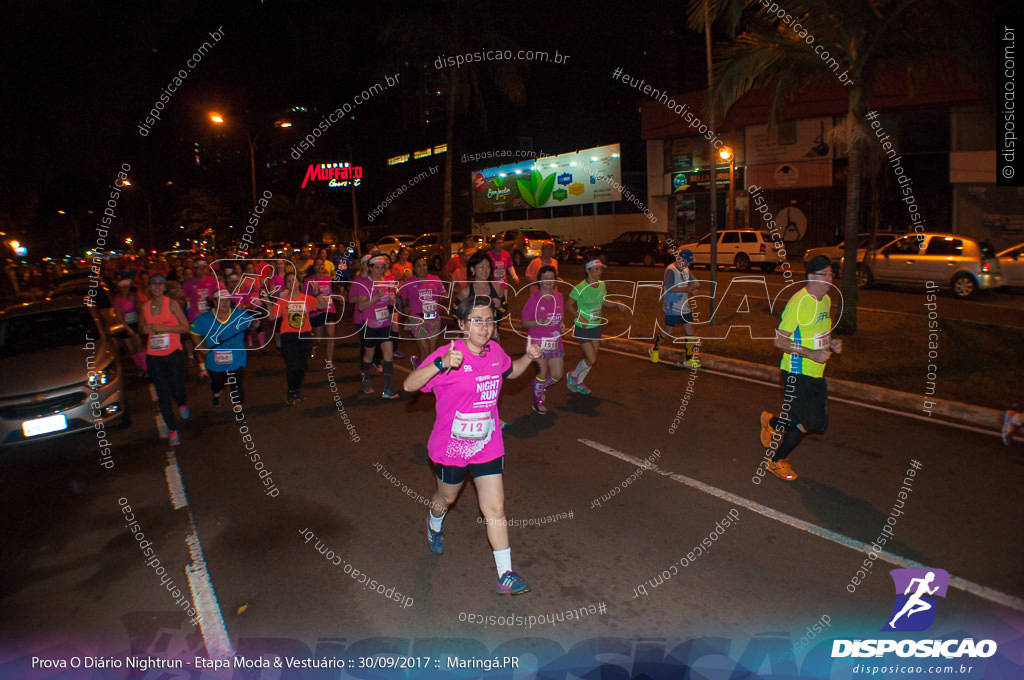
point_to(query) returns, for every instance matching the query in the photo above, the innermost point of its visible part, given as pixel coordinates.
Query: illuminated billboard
(587, 176)
(335, 174)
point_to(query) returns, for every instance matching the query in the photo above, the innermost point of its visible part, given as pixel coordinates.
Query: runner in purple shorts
(420, 296)
(543, 317)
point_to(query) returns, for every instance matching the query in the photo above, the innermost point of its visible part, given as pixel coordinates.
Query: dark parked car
(646, 247)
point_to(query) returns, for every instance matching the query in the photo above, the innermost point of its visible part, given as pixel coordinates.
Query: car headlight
(103, 377)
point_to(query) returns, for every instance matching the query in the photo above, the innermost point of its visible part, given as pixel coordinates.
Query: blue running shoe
(435, 539)
(570, 382)
(582, 389)
(511, 583)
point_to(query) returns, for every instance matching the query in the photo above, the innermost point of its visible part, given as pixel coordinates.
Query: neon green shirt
(811, 325)
(588, 301)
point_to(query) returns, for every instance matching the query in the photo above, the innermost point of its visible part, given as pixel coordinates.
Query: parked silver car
(1012, 262)
(525, 244)
(390, 245)
(953, 261)
(837, 252)
(61, 372)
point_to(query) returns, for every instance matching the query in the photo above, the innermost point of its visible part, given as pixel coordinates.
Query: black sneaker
(215, 400)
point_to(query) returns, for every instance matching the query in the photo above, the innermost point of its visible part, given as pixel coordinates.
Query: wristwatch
(439, 363)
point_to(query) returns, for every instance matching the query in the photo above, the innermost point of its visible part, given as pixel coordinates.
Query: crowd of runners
(213, 313)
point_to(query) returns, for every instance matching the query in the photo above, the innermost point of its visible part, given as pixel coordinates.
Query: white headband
(594, 263)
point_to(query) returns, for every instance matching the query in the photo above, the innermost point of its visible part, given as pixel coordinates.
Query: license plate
(34, 428)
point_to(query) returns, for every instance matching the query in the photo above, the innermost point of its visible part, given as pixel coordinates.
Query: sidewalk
(940, 409)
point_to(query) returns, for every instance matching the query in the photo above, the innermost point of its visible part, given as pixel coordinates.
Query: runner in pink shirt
(199, 290)
(465, 376)
(374, 298)
(543, 316)
(503, 267)
(420, 296)
(319, 286)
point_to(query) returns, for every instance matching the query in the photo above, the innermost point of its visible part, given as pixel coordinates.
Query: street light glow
(216, 117)
(725, 153)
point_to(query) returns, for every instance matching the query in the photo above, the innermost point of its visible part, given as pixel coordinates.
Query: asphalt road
(1004, 307)
(599, 529)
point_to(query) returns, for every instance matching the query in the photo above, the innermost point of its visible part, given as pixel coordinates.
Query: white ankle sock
(582, 369)
(503, 560)
(435, 522)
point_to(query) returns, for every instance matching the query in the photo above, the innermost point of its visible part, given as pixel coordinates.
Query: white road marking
(215, 634)
(981, 591)
(204, 597)
(174, 482)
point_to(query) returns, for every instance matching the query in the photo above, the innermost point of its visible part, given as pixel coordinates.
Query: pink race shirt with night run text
(417, 292)
(466, 430)
(546, 308)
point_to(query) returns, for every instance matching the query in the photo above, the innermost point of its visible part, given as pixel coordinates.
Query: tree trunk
(848, 322)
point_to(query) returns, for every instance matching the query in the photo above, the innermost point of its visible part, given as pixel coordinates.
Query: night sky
(78, 78)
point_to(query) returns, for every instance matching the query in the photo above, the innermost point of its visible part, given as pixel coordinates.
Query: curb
(942, 409)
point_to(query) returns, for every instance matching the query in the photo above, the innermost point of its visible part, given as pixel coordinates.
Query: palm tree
(874, 41)
(459, 28)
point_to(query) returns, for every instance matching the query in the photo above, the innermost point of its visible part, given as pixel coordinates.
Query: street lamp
(75, 220)
(219, 120)
(726, 154)
(149, 211)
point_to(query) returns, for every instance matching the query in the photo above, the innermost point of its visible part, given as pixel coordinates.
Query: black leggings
(168, 375)
(236, 392)
(296, 355)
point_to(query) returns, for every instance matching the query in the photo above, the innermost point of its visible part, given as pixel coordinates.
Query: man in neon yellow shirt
(805, 337)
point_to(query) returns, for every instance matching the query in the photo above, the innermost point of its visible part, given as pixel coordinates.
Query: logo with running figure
(914, 609)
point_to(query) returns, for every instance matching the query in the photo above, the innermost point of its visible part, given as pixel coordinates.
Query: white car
(737, 248)
(953, 261)
(390, 245)
(1012, 262)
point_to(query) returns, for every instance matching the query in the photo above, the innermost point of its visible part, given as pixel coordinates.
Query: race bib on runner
(382, 314)
(131, 317)
(222, 357)
(429, 310)
(821, 340)
(296, 311)
(472, 426)
(201, 303)
(549, 344)
(158, 341)
(499, 272)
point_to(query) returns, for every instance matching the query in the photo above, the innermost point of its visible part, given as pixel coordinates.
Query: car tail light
(985, 266)
(527, 242)
(764, 249)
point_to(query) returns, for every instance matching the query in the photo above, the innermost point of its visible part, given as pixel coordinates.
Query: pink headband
(594, 263)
